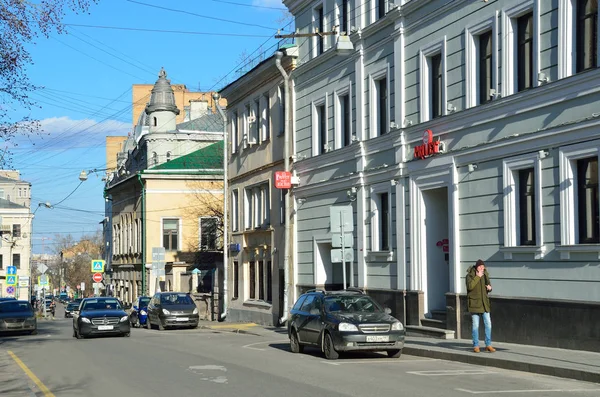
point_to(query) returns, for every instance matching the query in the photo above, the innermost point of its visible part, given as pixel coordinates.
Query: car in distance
(70, 308)
(343, 321)
(172, 310)
(100, 316)
(17, 316)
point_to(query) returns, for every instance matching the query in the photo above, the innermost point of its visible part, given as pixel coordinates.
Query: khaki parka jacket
(477, 294)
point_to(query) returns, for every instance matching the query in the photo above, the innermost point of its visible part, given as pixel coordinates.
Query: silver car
(17, 316)
(172, 310)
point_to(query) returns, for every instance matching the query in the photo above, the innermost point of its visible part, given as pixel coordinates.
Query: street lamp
(30, 290)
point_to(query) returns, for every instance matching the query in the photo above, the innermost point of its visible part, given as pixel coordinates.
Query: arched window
(154, 121)
(154, 158)
(168, 156)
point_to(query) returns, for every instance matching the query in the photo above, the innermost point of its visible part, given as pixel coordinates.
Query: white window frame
(376, 191)
(246, 126)
(234, 124)
(216, 231)
(179, 231)
(567, 51)
(338, 9)
(374, 79)
(425, 53)
(345, 90)
(316, 125)
(265, 113)
(254, 128)
(511, 207)
(315, 25)
(568, 197)
(472, 34)
(509, 47)
(281, 101)
(235, 207)
(266, 205)
(248, 208)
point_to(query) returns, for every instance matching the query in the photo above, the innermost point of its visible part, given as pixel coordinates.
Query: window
(208, 233)
(171, 234)
(587, 200)
(1, 193)
(380, 8)
(252, 269)
(525, 52)
(320, 144)
(435, 69)
(381, 227)
(526, 189)
(432, 72)
(484, 60)
(247, 126)
(154, 121)
(344, 16)
(257, 206)
(281, 98)
(234, 132)
(16, 260)
(587, 35)
(319, 23)
(578, 170)
(16, 231)
(282, 215)
(522, 206)
(254, 129)
(168, 156)
(236, 279)
(265, 116)
(345, 120)
(381, 106)
(1, 262)
(269, 282)
(235, 208)
(154, 158)
(248, 208)
(520, 53)
(261, 280)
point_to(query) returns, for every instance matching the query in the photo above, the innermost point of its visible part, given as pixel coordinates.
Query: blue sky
(87, 75)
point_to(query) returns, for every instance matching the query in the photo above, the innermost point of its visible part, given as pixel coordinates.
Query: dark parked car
(100, 316)
(17, 316)
(172, 310)
(70, 308)
(343, 321)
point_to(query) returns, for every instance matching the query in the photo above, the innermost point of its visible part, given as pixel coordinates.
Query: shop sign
(429, 146)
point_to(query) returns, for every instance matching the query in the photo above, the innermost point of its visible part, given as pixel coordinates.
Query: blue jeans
(487, 324)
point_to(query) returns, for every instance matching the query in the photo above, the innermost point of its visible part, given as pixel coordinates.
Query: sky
(87, 75)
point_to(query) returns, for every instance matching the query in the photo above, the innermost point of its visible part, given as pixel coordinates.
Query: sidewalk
(572, 364)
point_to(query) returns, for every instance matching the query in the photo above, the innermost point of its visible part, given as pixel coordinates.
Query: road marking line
(249, 346)
(35, 379)
(378, 361)
(451, 372)
(527, 391)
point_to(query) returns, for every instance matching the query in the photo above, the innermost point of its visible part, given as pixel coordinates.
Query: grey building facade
(455, 130)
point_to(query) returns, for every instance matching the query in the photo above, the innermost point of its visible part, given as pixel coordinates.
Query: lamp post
(47, 205)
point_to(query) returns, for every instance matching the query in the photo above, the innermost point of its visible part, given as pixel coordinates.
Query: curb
(481, 359)
(232, 330)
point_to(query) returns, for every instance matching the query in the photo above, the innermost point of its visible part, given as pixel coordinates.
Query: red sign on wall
(283, 179)
(428, 148)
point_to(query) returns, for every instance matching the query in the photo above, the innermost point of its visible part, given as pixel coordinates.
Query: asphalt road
(213, 363)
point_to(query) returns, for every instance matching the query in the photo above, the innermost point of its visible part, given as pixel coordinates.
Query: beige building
(166, 192)
(15, 230)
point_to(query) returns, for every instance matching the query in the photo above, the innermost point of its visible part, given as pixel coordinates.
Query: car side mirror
(387, 310)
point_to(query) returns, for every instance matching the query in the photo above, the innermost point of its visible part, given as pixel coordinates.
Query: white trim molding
(375, 203)
(472, 49)
(343, 90)
(382, 73)
(438, 47)
(316, 151)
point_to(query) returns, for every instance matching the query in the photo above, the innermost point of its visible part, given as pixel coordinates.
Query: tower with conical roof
(162, 110)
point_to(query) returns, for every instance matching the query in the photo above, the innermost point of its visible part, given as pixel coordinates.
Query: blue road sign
(98, 266)
(11, 280)
(10, 290)
(11, 270)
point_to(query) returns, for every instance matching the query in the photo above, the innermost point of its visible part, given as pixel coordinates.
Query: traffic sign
(24, 281)
(10, 290)
(11, 270)
(11, 280)
(97, 277)
(82, 286)
(97, 266)
(43, 280)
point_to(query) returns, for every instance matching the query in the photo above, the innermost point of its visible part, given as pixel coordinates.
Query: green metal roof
(209, 158)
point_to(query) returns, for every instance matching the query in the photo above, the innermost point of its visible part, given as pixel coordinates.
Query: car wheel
(34, 332)
(394, 353)
(126, 334)
(329, 349)
(161, 327)
(295, 345)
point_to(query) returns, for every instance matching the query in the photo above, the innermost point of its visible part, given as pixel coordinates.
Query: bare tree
(74, 266)
(21, 23)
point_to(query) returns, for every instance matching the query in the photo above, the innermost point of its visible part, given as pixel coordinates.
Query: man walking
(478, 287)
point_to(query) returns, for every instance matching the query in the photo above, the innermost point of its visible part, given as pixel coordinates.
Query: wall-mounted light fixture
(543, 154)
(351, 194)
(450, 107)
(494, 94)
(394, 125)
(543, 78)
(472, 167)
(407, 122)
(300, 200)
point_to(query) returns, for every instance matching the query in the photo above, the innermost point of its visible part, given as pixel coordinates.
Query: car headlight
(346, 327)
(165, 311)
(85, 320)
(124, 318)
(143, 312)
(195, 311)
(397, 326)
(30, 319)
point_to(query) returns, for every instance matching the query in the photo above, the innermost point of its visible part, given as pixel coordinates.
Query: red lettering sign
(283, 179)
(428, 148)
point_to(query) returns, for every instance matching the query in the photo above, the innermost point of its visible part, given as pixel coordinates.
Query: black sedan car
(172, 310)
(17, 316)
(70, 308)
(100, 316)
(343, 321)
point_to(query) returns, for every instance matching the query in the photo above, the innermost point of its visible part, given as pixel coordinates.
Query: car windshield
(144, 302)
(351, 304)
(14, 307)
(101, 304)
(176, 299)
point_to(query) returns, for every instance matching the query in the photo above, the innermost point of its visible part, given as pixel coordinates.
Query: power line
(250, 5)
(168, 31)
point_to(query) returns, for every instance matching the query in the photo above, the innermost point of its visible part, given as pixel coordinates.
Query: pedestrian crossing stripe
(11, 280)
(97, 266)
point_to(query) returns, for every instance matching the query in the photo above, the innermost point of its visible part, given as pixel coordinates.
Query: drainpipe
(139, 175)
(286, 168)
(225, 194)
